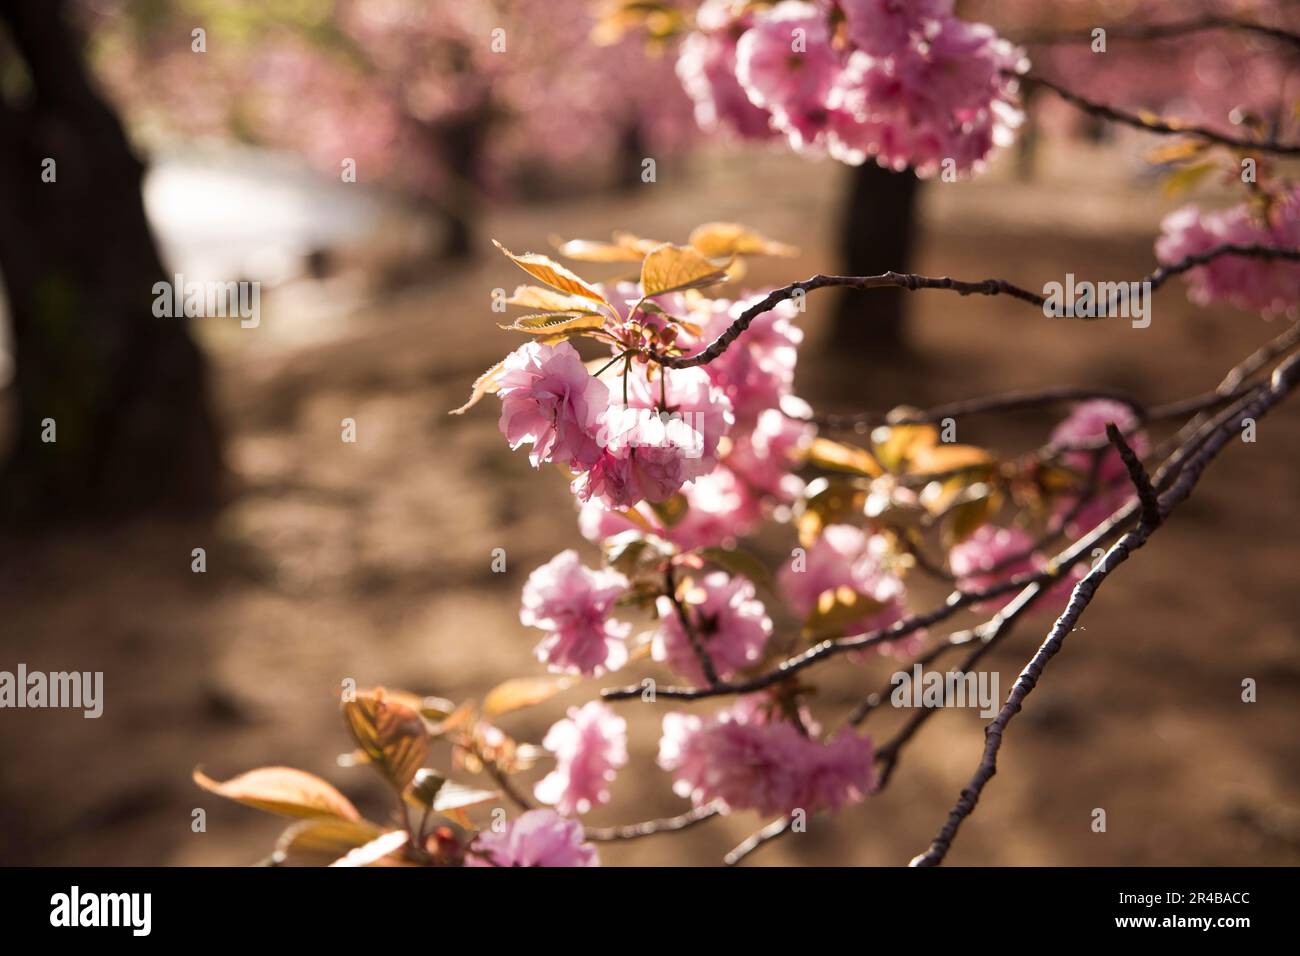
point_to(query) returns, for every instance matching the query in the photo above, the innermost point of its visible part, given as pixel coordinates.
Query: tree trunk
(877, 235)
(125, 391)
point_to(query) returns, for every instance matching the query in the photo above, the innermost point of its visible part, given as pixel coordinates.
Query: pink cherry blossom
(549, 398)
(786, 65)
(764, 456)
(589, 746)
(992, 555)
(846, 557)
(537, 838)
(728, 619)
(1269, 286)
(706, 65)
(758, 369)
(572, 604)
(719, 508)
(1087, 423)
(647, 451)
(885, 27)
(745, 760)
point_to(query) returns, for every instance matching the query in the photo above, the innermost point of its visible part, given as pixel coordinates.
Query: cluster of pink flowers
(993, 555)
(536, 838)
(729, 621)
(847, 558)
(747, 760)
(905, 83)
(1086, 424)
(1270, 286)
(589, 747)
(572, 604)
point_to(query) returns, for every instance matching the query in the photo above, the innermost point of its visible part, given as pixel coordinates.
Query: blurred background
(328, 560)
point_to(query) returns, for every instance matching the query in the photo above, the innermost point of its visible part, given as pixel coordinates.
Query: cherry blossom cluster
(1268, 286)
(729, 458)
(903, 82)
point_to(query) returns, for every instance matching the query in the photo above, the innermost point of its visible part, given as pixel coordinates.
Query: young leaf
(376, 850)
(672, 268)
(547, 323)
(625, 248)
(553, 274)
(282, 790)
(393, 735)
(739, 562)
(485, 384)
(836, 610)
(836, 456)
(520, 692)
(549, 300)
(321, 840)
(455, 798)
(895, 445)
(718, 240)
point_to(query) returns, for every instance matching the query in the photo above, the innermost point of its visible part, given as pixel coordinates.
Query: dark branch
(1163, 127)
(1182, 471)
(914, 282)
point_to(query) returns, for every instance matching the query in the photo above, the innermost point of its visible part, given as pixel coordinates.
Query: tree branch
(1185, 468)
(912, 283)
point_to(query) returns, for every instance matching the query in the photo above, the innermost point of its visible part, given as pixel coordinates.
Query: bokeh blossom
(589, 745)
(572, 604)
(537, 838)
(728, 619)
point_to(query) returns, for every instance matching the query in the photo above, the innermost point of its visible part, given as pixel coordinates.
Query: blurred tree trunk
(126, 390)
(877, 234)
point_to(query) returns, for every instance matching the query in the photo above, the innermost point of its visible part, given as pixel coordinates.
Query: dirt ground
(372, 561)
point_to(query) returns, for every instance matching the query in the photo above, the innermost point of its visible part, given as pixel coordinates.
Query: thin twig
(1161, 31)
(1162, 127)
(634, 831)
(912, 282)
(1187, 472)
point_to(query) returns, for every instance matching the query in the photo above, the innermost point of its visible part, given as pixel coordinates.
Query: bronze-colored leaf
(671, 510)
(550, 300)
(739, 562)
(670, 268)
(718, 240)
(827, 501)
(320, 841)
(895, 445)
(377, 851)
(553, 274)
(838, 456)
(520, 692)
(485, 384)
(545, 323)
(625, 248)
(282, 790)
(393, 735)
(836, 610)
